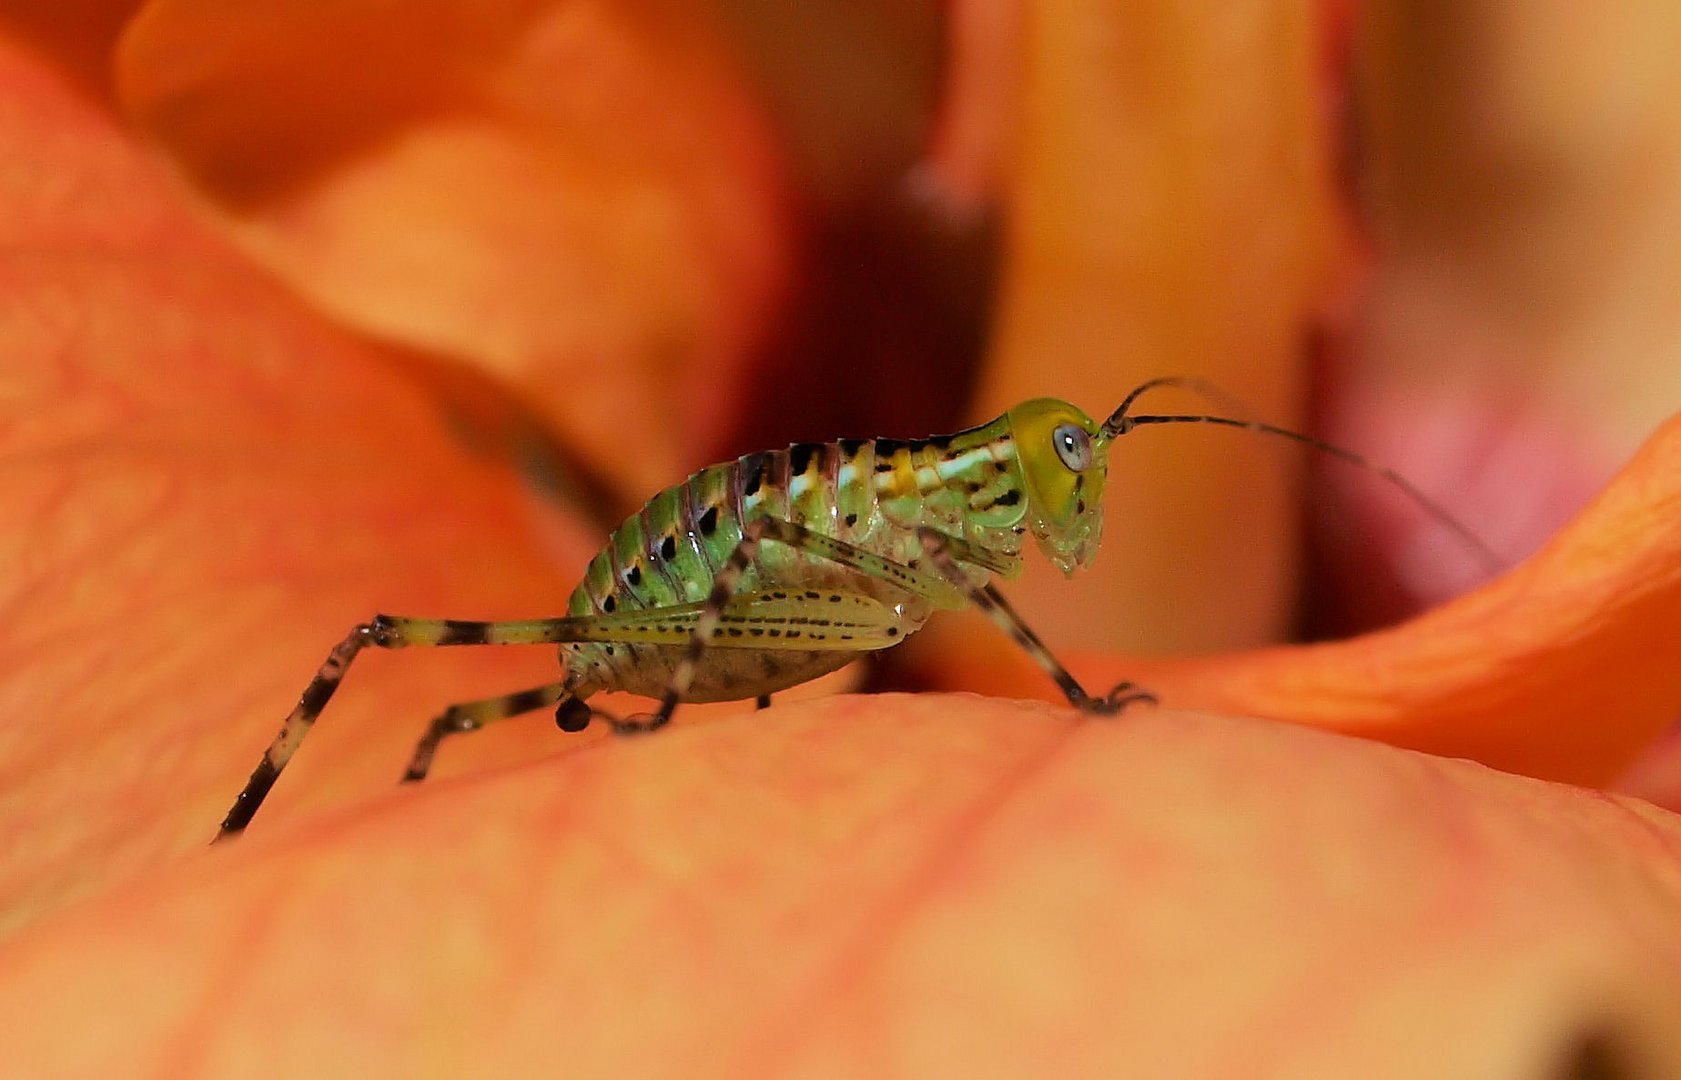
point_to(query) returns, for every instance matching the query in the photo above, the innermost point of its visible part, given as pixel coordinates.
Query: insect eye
(1073, 446)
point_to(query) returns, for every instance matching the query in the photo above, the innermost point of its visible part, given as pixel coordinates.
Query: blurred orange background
(317, 310)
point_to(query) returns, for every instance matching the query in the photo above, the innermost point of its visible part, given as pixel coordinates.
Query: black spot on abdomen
(753, 468)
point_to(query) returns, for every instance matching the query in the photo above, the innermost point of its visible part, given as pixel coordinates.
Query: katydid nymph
(768, 571)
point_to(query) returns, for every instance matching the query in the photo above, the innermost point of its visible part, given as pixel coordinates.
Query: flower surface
(297, 305)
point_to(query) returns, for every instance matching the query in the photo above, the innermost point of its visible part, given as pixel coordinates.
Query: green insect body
(801, 615)
(765, 572)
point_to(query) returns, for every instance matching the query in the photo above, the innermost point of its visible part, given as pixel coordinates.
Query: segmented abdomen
(670, 551)
(869, 492)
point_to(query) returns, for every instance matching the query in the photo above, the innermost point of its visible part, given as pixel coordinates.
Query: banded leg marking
(297, 725)
(473, 715)
(938, 546)
(386, 632)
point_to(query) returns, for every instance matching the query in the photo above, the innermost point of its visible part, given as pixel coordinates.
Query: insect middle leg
(473, 715)
(572, 715)
(728, 580)
(944, 551)
(913, 580)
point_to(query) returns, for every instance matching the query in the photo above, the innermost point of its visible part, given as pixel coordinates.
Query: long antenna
(1203, 387)
(1120, 424)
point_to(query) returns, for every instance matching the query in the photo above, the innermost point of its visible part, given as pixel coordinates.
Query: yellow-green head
(1064, 460)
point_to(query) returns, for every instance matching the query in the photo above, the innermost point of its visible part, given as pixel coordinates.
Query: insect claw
(639, 724)
(1128, 693)
(1116, 700)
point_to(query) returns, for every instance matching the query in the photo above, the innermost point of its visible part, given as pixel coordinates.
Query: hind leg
(385, 632)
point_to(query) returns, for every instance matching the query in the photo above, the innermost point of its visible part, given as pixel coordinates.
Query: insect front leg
(944, 551)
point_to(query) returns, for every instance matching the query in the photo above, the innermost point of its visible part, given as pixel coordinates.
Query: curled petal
(578, 196)
(76, 37)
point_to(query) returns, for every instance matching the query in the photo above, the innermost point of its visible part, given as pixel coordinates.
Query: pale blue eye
(1073, 446)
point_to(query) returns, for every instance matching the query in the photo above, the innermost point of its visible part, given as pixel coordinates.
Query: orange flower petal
(1558, 669)
(978, 101)
(204, 485)
(204, 479)
(1170, 213)
(903, 886)
(76, 36)
(1521, 172)
(1517, 172)
(1656, 775)
(579, 196)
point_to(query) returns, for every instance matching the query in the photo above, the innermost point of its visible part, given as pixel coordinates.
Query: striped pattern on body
(872, 493)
